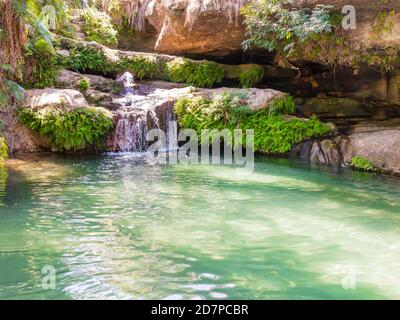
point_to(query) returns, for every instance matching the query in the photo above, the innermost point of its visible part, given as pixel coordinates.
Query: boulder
(256, 98)
(382, 148)
(61, 98)
(325, 152)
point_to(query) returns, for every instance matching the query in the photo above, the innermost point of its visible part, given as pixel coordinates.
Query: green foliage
(3, 149)
(361, 164)
(272, 134)
(68, 130)
(202, 74)
(251, 76)
(273, 25)
(283, 105)
(88, 59)
(141, 67)
(10, 91)
(382, 25)
(83, 84)
(43, 62)
(98, 27)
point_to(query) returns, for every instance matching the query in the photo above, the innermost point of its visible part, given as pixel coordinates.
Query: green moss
(272, 134)
(251, 76)
(83, 84)
(3, 149)
(97, 27)
(141, 67)
(202, 74)
(361, 164)
(68, 130)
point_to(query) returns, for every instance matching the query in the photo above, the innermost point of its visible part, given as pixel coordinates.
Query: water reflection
(125, 228)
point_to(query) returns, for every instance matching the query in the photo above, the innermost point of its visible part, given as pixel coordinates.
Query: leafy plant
(361, 164)
(141, 67)
(88, 59)
(283, 105)
(272, 134)
(202, 74)
(83, 84)
(43, 64)
(251, 76)
(273, 25)
(98, 27)
(8, 88)
(68, 130)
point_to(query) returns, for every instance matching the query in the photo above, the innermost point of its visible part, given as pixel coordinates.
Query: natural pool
(122, 227)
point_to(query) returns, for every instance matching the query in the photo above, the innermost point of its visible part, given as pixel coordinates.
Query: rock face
(186, 26)
(216, 27)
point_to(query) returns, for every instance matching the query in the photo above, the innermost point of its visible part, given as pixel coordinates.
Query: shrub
(275, 25)
(272, 134)
(251, 76)
(43, 64)
(361, 164)
(141, 67)
(202, 74)
(98, 27)
(68, 130)
(83, 84)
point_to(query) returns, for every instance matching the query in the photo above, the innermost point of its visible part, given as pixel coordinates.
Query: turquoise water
(120, 227)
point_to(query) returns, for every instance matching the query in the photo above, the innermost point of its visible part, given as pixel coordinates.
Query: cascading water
(137, 114)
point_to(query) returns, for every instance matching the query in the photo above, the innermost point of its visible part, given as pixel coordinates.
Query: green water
(119, 227)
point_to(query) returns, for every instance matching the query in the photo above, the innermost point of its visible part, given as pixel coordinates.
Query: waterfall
(172, 130)
(139, 112)
(130, 133)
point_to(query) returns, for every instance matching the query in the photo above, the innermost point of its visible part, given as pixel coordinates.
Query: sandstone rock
(60, 98)
(22, 140)
(382, 148)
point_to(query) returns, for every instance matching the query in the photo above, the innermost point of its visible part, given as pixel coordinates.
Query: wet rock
(98, 98)
(325, 152)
